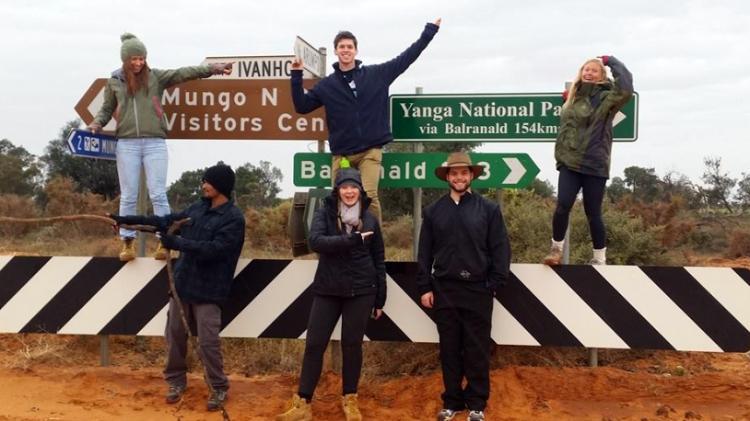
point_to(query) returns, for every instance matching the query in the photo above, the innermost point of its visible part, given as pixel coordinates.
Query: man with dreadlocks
(133, 97)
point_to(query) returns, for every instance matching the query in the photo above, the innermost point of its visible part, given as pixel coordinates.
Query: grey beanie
(131, 46)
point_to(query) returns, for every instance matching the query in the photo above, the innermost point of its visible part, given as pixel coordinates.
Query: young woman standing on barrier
(133, 97)
(583, 149)
(349, 283)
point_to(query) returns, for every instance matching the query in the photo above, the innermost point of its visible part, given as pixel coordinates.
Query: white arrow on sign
(517, 170)
(619, 117)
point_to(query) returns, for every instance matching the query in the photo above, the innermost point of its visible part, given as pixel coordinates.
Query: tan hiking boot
(351, 408)
(299, 410)
(161, 253)
(128, 250)
(554, 256)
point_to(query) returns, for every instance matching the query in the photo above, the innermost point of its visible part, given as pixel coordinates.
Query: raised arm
(171, 77)
(394, 67)
(623, 89)
(304, 102)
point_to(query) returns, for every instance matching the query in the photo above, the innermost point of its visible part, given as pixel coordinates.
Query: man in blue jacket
(210, 244)
(355, 98)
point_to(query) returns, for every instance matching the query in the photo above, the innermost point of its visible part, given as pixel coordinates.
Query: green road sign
(502, 170)
(491, 118)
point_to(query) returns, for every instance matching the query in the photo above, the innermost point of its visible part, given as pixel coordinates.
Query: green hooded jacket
(142, 115)
(584, 142)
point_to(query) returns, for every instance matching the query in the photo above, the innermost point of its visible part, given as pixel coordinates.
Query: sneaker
(217, 399)
(554, 256)
(174, 394)
(161, 253)
(128, 250)
(475, 416)
(595, 261)
(446, 414)
(351, 408)
(299, 410)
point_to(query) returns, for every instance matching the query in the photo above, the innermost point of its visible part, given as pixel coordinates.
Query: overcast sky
(689, 59)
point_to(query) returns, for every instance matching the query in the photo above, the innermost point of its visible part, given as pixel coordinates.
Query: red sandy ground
(720, 391)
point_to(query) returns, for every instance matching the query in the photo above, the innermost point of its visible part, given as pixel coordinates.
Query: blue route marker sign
(90, 145)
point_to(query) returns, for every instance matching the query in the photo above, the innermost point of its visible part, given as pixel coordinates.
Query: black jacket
(347, 266)
(209, 244)
(356, 124)
(466, 244)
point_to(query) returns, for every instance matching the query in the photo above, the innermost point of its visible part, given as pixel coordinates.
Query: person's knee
(314, 348)
(351, 344)
(563, 208)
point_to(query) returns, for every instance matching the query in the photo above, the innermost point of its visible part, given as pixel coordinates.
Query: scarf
(349, 216)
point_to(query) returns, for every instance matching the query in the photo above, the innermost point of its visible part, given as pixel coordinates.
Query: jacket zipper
(137, 127)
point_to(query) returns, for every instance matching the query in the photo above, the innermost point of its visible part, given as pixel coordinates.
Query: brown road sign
(240, 109)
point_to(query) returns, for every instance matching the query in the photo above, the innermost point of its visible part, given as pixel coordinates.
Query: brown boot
(128, 250)
(161, 253)
(351, 408)
(299, 410)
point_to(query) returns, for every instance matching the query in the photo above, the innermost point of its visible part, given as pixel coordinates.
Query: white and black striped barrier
(680, 308)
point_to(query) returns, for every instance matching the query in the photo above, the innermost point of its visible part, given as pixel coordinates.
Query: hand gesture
(297, 64)
(119, 220)
(438, 21)
(95, 127)
(221, 68)
(428, 299)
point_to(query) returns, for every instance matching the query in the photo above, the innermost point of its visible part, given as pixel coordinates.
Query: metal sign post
(417, 202)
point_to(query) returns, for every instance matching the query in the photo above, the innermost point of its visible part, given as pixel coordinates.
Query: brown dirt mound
(51, 392)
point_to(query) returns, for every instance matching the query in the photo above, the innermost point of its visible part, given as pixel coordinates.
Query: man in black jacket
(464, 256)
(210, 244)
(356, 102)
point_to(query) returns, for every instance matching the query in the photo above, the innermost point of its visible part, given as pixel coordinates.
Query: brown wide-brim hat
(458, 159)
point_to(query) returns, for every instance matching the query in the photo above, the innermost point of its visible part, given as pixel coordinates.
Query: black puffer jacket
(348, 266)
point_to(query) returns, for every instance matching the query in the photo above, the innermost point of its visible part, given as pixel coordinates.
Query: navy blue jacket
(356, 124)
(209, 244)
(348, 266)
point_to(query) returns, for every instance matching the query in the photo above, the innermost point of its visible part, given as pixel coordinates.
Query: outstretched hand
(297, 64)
(438, 21)
(119, 220)
(221, 68)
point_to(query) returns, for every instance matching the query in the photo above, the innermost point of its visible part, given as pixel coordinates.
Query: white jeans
(152, 153)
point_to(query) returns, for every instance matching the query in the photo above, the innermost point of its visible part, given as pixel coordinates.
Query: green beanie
(131, 46)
